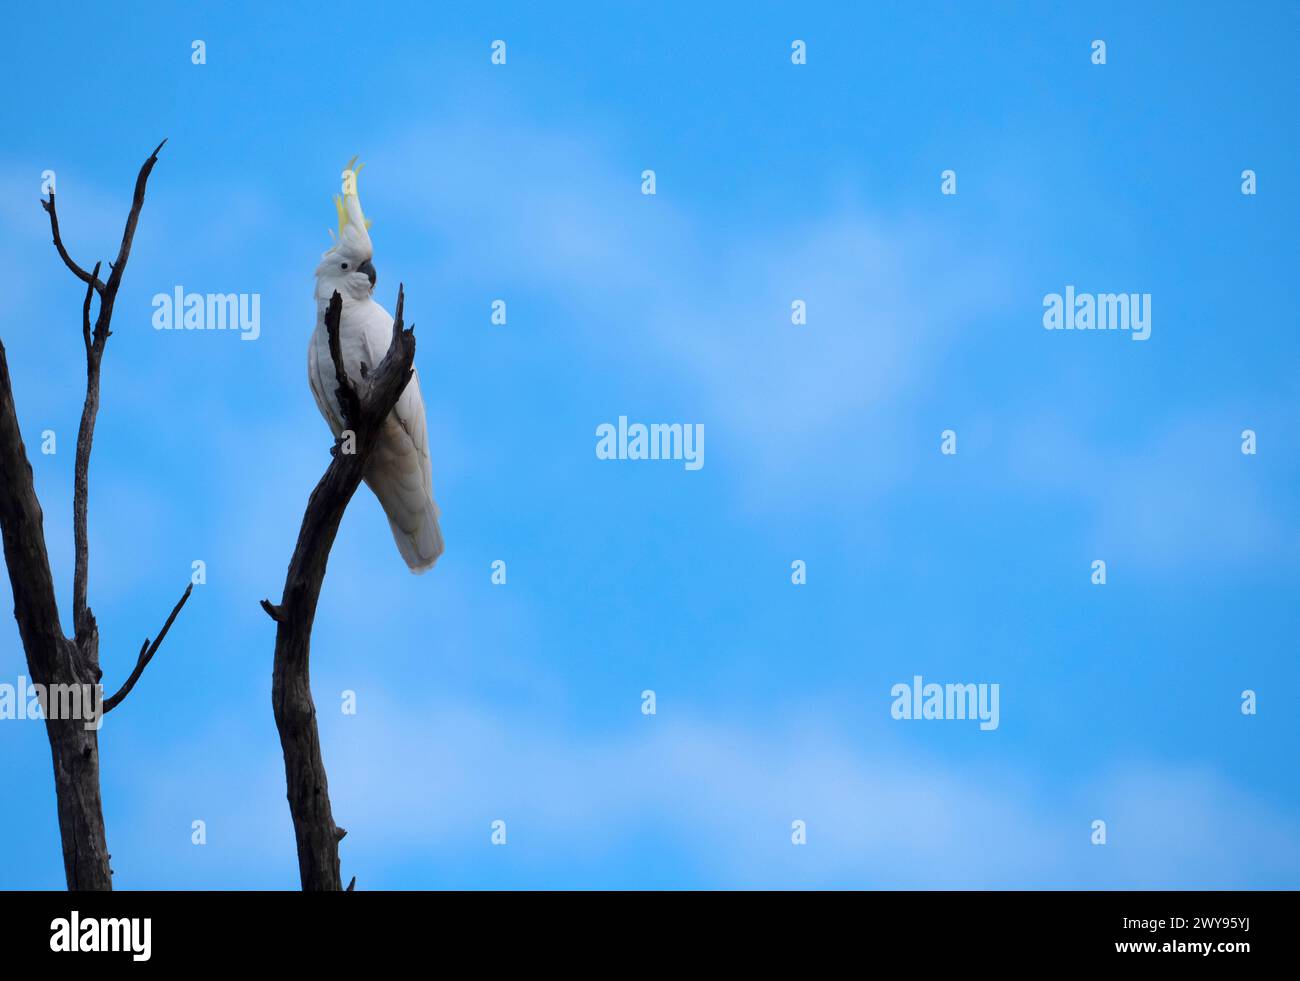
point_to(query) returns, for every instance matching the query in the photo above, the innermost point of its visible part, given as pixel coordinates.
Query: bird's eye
(343, 266)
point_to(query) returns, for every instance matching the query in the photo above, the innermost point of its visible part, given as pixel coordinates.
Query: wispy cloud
(722, 797)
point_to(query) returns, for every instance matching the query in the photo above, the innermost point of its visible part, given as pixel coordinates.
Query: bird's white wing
(320, 376)
(410, 413)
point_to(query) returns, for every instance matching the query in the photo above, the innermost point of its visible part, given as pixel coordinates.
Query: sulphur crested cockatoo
(398, 470)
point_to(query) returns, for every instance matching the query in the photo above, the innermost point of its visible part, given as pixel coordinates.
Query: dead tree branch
(52, 658)
(90, 279)
(147, 651)
(82, 620)
(364, 411)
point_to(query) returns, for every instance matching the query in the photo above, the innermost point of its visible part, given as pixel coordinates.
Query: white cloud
(1179, 491)
(879, 813)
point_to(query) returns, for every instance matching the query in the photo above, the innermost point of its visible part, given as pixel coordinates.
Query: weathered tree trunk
(364, 413)
(75, 752)
(52, 658)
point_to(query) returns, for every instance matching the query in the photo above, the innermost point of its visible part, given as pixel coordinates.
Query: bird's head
(347, 267)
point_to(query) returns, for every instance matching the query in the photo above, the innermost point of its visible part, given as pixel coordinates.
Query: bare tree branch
(123, 252)
(85, 314)
(82, 619)
(90, 280)
(147, 651)
(349, 402)
(109, 295)
(364, 412)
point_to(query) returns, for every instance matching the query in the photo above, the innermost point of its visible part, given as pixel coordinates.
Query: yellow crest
(350, 174)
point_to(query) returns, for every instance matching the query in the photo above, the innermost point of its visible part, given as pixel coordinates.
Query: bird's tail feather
(421, 547)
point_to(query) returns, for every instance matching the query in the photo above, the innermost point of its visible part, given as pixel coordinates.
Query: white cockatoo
(398, 470)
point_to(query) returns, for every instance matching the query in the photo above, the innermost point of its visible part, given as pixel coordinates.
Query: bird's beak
(368, 268)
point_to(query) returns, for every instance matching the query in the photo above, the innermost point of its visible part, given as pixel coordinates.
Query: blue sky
(774, 182)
